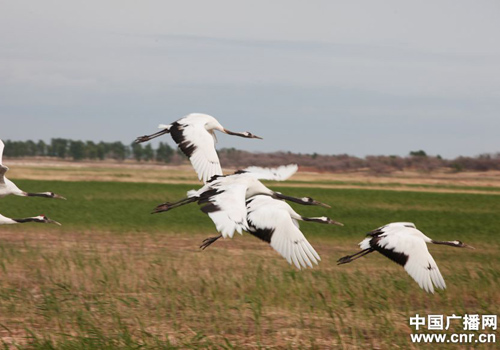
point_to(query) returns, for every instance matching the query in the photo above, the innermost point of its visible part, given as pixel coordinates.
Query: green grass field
(116, 277)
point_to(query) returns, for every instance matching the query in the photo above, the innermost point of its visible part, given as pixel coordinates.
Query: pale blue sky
(356, 77)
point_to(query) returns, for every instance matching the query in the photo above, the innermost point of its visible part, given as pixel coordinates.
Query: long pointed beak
(59, 196)
(49, 221)
(468, 246)
(315, 202)
(333, 222)
(257, 137)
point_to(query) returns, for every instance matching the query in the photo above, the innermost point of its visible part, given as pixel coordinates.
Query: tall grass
(116, 277)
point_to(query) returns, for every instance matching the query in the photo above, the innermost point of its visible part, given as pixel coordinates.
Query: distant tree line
(81, 150)
(230, 157)
(416, 160)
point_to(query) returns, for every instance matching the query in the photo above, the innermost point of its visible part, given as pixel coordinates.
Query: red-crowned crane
(275, 222)
(195, 136)
(224, 197)
(41, 219)
(404, 244)
(7, 187)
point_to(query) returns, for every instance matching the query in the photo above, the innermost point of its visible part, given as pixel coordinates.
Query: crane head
(46, 220)
(55, 195)
(311, 201)
(461, 244)
(250, 135)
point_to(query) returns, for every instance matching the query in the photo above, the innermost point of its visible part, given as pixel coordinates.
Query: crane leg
(208, 241)
(349, 258)
(168, 205)
(145, 138)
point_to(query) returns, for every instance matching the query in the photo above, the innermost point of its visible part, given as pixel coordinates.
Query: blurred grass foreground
(116, 277)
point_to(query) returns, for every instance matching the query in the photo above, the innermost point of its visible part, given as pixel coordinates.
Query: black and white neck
(245, 134)
(43, 194)
(322, 220)
(37, 219)
(457, 244)
(303, 200)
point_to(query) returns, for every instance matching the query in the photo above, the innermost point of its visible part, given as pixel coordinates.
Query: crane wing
(1, 151)
(3, 170)
(198, 145)
(422, 267)
(411, 252)
(269, 220)
(226, 207)
(280, 173)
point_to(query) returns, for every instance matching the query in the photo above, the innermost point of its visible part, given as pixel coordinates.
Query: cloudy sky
(356, 77)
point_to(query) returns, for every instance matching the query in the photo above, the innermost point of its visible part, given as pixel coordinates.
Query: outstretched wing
(1, 151)
(198, 145)
(226, 207)
(403, 246)
(3, 168)
(269, 220)
(280, 173)
(422, 267)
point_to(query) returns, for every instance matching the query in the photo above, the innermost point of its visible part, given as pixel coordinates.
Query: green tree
(13, 148)
(30, 148)
(149, 153)
(102, 150)
(164, 153)
(419, 153)
(137, 151)
(91, 151)
(77, 150)
(59, 147)
(41, 148)
(118, 150)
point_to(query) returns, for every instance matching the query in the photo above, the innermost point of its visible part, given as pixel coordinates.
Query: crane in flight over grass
(224, 197)
(404, 244)
(7, 187)
(41, 219)
(275, 222)
(195, 136)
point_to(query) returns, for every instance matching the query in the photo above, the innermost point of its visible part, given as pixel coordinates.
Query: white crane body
(224, 197)
(7, 187)
(404, 244)
(194, 134)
